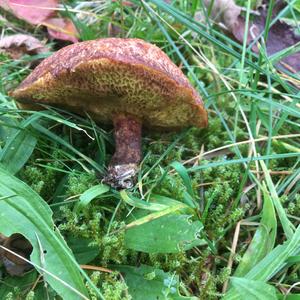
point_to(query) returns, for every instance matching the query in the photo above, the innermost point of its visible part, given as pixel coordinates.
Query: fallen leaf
(4, 4)
(19, 44)
(32, 11)
(61, 29)
(14, 265)
(42, 12)
(2, 238)
(281, 35)
(113, 30)
(224, 11)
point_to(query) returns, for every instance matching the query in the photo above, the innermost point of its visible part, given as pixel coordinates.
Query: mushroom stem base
(124, 164)
(121, 176)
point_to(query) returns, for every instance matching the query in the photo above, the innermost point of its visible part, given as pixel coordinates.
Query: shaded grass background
(253, 109)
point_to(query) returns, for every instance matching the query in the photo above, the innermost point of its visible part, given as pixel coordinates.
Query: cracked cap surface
(109, 76)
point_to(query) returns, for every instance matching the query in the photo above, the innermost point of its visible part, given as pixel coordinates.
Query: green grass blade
(133, 201)
(47, 133)
(18, 148)
(263, 241)
(90, 194)
(275, 261)
(287, 225)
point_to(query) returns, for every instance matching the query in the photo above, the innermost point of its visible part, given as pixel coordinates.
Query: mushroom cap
(106, 77)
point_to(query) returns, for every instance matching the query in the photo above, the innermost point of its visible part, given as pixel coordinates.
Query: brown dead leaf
(61, 29)
(16, 243)
(280, 36)
(2, 240)
(224, 11)
(19, 44)
(42, 12)
(114, 30)
(32, 11)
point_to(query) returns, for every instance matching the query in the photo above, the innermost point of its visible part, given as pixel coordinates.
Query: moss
(293, 205)
(30, 296)
(112, 286)
(115, 288)
(42, 179)
(80, 182)
(90, 225)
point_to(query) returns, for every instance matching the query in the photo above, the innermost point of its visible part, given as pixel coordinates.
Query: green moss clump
(115, 288)
(79, 182)
(112, 286)
(42, 179)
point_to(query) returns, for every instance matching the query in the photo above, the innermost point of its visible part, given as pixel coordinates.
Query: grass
(215, 212)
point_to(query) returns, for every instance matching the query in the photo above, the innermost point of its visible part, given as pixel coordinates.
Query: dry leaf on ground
(16, 243)
(280, 36)
(32, 11)
(224, 11)
(19, 44)
(43, 12)
(61, 29)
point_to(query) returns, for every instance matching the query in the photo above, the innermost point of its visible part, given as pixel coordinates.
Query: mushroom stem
(124, 164)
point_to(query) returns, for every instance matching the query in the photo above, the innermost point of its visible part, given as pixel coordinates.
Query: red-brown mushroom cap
(110, 76)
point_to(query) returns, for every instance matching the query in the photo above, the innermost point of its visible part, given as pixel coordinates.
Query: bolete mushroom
(127, 82)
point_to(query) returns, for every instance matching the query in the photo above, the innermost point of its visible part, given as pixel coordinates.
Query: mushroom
(127, 82)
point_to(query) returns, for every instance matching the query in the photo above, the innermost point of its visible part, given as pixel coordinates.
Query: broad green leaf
(82, 250)
(170, 233)
(263, 240)
(90, 194)
(157, 215)
(18, 149)
(152, 284)
(167, 201)
(294, 259)
(23, 211)
(253, 290)
(287, 225)
(133, 201)
(288, 297)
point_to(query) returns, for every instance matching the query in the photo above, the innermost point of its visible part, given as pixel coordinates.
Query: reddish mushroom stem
(124, 164)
